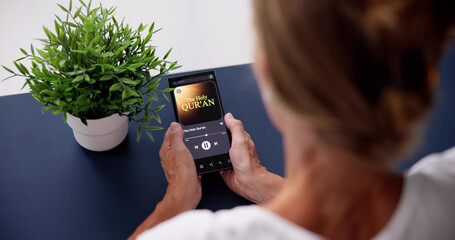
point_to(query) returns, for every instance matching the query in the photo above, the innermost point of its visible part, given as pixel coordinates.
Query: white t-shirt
(426, 211)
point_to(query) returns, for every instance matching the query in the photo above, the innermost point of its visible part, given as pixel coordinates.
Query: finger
(166, 143)
(176, 137)
(234, 125)
(239, 136)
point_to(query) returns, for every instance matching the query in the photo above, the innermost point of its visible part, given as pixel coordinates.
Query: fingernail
(174, 126)
(229, 116)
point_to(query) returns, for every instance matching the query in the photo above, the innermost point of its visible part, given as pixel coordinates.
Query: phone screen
(199, 110)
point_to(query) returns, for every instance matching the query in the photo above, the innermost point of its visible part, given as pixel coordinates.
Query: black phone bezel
(198, 78)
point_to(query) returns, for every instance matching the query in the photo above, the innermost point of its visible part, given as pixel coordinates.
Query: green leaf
(50, 93)
(19, 68)
(57, 27)
(112, 107)
(82, 18)
(63, 8)
(167, 54)
(149, 103)
(136, 65)
(76, 72)
(23, 86)
(151, 27)
(149, 59)
(131, 101)
(39, 99)
(153, 82)
(32, 49)
(82, 2)
(107, 54)
(158, 108)
(129, 93)
(115, 87)
(155, 63)
(154, 128)
(149, 134)
(22, 68)
(78, 79)
(136, 44)
(78, 51)
(57, 111)
(157, 117)
(128, 81)
(112, 10)
(51, 108)
(141, 27)
(167, 90)
(23, 51)
(175, 67)
(25, 69)
(165, 96)
(152, 89)
(142, 120)
(147, 39)
(158, 30)
(9, 70)
(85, 107)
(106, 77)
(70, 24)
(77, 12)
(62, 63)
(38, 59)
(139, 132)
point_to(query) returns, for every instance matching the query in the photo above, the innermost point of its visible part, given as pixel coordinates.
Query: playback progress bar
(203, 135)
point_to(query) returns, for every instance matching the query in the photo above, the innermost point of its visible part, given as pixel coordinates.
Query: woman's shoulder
(430, 186)
(425, 210)
(437, 168)
(244, 222)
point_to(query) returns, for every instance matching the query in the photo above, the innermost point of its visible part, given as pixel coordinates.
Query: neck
(333, 193)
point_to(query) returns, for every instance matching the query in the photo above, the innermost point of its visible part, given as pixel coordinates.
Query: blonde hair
(357, 69)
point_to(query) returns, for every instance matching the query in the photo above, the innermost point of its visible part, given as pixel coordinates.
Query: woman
(346, 83)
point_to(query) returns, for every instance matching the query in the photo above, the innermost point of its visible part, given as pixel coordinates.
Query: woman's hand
(179, 168)
(184, 186)
(248, 178)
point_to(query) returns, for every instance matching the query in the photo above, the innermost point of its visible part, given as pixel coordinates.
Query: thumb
(239, 144)
(176, 136)
(236, 128)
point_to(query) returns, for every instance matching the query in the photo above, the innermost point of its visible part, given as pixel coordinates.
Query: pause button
(206, 145)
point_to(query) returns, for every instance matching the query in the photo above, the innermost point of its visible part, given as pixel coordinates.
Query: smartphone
(198, 108)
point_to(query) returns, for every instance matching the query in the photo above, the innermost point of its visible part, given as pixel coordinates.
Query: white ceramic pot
(99, 134)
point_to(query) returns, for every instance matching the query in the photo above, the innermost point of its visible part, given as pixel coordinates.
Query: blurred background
(203, 33)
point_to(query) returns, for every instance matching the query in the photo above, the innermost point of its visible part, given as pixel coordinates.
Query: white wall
(203, 33)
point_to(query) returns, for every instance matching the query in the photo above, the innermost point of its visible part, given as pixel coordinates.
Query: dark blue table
(51, 188)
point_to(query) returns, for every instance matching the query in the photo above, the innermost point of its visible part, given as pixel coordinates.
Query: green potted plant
(96, 71)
